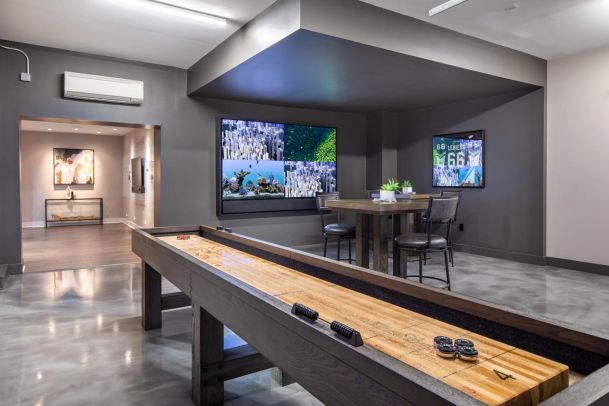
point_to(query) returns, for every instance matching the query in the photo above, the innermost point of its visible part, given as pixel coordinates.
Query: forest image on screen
(458, 160)
(263, 160)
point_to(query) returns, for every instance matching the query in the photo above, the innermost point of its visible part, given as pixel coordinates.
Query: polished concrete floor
(70, 247)
(573, 297)
(73, 337)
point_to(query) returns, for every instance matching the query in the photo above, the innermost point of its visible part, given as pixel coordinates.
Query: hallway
(71, 247)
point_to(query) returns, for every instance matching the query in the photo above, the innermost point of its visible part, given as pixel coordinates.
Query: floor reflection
(74, 284)
(75, 338)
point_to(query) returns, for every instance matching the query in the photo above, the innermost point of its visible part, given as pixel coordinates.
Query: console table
(72, 215)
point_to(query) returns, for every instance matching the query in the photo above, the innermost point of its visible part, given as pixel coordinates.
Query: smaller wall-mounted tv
(458, 160)
(265, 166)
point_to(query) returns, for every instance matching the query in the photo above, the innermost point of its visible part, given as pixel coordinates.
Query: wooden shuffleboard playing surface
(503, 374)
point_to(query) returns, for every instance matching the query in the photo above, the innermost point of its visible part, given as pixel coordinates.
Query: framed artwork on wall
(73, 166)
(458, 160)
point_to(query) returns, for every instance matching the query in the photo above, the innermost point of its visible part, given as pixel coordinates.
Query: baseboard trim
(500, 254)
(14, 269)
(578, 265)
(120, 220)
(116, 220)
(33, 224)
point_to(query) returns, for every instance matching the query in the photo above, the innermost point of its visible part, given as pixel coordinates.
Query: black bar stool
(441, 210)
(338, 230)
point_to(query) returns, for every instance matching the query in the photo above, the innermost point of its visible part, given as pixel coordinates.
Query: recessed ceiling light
(114, 129)
(76, 129)
(166, 7)
(49, 129)
(99, 132)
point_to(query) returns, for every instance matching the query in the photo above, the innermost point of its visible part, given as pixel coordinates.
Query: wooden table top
(400, 333)
(367, 206)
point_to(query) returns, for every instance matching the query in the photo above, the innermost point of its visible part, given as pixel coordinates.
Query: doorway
(84, 186)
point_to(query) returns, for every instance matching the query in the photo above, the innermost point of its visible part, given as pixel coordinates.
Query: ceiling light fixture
(114, 129)
(49, 129)
(445, 6)
(76, 129)
(99, 132)
(179, 11)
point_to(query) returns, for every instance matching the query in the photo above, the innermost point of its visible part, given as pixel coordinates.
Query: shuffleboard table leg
(281, 377)
(207, 353)
(362, 244)
(151, 298)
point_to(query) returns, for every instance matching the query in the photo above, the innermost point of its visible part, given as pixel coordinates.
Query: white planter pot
(407, 190)
(388, 196)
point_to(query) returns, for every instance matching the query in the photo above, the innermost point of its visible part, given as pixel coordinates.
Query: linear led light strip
(445, 6)
(179, 11)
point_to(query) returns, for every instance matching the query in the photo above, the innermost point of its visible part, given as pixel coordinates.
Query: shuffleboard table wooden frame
(333, 371)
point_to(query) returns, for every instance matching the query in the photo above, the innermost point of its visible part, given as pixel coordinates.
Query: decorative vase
(407, 190)
(388, 196)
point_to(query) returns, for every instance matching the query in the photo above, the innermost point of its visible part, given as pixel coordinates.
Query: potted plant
(388, 190)
(407, 187)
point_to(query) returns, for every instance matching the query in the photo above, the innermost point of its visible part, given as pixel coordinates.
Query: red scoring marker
(183, 237)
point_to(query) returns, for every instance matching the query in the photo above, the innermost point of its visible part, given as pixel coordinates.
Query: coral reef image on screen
(263, 160)
(304, 179)
(252, 179)
(458, 160)
(252, 140)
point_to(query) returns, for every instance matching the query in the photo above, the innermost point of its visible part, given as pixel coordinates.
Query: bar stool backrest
(452, 193)
(320, 201)
(442, 209)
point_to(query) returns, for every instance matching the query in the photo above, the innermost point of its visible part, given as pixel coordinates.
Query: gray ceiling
(309, 69)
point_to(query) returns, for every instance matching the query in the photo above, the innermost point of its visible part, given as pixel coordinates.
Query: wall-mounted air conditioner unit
(102, 88)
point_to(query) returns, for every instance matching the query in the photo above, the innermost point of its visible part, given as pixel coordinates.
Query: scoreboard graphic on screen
(458, 160)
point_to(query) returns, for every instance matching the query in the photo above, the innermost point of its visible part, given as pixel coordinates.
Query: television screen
(458, 160)
(262, 160)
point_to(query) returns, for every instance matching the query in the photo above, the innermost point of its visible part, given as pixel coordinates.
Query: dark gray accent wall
(381, 148)
(165, 104)
(188, 131)
(505, 219)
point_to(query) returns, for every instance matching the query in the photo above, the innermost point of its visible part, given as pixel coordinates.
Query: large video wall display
(458, 160)
(262, 160)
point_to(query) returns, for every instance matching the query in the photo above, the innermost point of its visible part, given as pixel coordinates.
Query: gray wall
(381, 148)
(188, 131)
(505, 219)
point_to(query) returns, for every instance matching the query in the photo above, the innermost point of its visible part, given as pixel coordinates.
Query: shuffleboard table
(251, 287)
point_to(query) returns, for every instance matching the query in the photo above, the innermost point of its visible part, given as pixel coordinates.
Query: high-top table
(366, 208)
